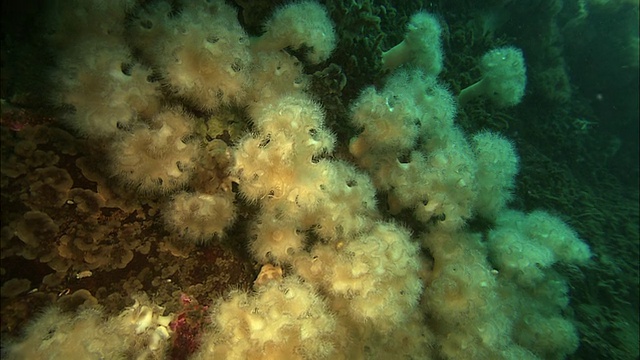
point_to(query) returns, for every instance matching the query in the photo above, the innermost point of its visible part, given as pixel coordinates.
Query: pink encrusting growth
(188, 327)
